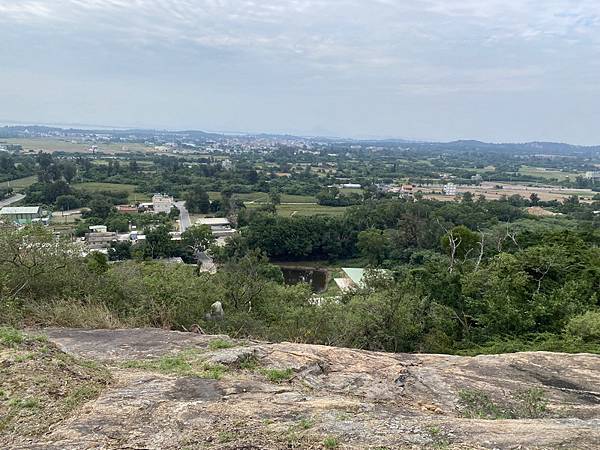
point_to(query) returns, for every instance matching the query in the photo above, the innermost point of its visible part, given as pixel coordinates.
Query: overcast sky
(496, 70)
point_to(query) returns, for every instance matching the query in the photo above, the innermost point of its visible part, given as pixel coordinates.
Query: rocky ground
(171, 390)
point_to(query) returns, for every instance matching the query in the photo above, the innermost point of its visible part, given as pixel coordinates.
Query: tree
(100, 207)
(197, 238)
(460, 243)
(134, 166)
(159, 243)
(97, 262)
(119, 251)
(534, 198)
(69, 170)
(67, 202)
(118, 223)
(275, 197)
(373, 245)
(197, 200)
(467, 197)
(51, 191)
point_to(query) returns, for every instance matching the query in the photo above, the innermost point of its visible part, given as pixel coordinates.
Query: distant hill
(459, 145)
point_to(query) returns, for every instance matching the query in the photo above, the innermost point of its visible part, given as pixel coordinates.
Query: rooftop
(356, 275)
(213, 221)
(20, 210)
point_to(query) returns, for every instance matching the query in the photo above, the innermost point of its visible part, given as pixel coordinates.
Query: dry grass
(40, 385)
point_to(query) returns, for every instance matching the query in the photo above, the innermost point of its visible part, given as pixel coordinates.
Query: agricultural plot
(58, 145)
(114, 187)
(20, 183)
(547, 174)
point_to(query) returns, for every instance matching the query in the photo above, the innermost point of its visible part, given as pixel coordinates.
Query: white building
(593, 175)
(98, 228)
(450, 189)
(21, 214)
(220, 226)
(162, 203)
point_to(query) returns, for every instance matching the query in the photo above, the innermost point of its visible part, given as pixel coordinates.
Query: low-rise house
(100, 240)
(407, 190)
(21, 215)
(450, 189)
(127, 209)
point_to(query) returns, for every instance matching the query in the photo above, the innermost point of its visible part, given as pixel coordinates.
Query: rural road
(184, 216)
(9, 201)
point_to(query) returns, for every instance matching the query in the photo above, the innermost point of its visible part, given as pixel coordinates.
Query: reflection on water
(317, 278)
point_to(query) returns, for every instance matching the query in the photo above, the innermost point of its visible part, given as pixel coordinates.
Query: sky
(495, 70)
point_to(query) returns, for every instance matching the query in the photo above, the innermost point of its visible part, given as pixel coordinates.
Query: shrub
(585, 326)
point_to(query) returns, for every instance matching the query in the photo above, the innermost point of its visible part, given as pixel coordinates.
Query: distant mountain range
(15, 131)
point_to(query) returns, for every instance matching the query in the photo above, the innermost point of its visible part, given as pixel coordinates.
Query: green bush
(585, 326)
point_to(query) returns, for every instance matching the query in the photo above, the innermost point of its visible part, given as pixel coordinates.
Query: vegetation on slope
(40, 385)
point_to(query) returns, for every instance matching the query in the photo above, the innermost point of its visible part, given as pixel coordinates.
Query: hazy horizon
(437, 70)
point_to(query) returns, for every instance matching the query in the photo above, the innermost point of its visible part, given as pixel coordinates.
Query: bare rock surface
(297, 396)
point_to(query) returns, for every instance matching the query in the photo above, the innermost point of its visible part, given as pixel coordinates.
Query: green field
(20, 184)
(547, 173)
(114, 187)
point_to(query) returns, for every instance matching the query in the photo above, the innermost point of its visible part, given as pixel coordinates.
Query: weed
(9, 337)
(478, 405)
(278, 375)
(217, 344)
(186, 363)
(434, 431)
(226, 436)
(330, 443)
(81, 395)
(24, 357)
(25, 403)
(306, 424)
(528, 404)
(249, 363)
(214, 371)
(532, 403)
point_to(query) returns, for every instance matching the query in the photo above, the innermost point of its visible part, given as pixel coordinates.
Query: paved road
(184, 216)
(9, 201)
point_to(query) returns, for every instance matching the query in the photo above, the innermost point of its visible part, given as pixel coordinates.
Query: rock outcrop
(251, 395)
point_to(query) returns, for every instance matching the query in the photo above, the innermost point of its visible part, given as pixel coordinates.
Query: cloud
(352, 51)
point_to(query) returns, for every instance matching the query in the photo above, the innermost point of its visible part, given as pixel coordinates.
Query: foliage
(524, 404)
(585, 326)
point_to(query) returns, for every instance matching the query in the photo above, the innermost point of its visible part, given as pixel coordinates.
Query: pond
(317, 278)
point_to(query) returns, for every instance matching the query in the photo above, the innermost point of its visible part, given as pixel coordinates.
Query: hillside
(171, 390)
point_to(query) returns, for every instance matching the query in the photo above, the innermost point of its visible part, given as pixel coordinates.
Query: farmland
(114, 187)
(20, 184)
